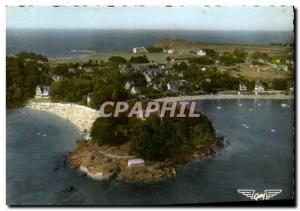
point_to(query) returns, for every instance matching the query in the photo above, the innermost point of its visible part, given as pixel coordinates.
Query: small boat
(284, 105)
(244, 125)
(240, 104)
(219, 107)
(259, 104)
(44, 135)
(272, 130)
(250, 109)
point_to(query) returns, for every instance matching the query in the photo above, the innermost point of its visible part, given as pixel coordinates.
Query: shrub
(139, 59)
(154, 49)
(117, 60)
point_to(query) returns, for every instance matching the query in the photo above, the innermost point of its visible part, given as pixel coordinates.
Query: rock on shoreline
(106, 162)
(89, 158)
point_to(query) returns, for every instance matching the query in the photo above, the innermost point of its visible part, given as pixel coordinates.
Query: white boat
(250, 109)
(272, 130)
(284, 105)
(219, 107)
(244, 125)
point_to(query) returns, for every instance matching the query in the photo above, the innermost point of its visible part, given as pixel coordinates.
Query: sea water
(258, 157)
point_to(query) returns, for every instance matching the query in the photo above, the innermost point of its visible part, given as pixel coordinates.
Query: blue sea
(260, 156)
(58, 43)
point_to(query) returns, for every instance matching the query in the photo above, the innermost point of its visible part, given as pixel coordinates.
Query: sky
(169, 18)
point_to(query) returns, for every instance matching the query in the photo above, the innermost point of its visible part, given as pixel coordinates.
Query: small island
(142, 150)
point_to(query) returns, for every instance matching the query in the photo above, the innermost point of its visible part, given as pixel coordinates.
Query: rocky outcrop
(99, 176)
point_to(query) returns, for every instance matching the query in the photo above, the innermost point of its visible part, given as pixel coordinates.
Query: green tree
(152, 139)
(280, 84)
(117, 60)
(139, 59)
(110, 131)
(227, 59)
(23, 73)
(259, 55)
(203, 133)
(204, 60)
(138, 79)
(240, 55)
(152, 49)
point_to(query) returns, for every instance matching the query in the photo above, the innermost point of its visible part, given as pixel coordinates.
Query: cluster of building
(271, 65)
(141, 50)
(154, 75)
(258, 89)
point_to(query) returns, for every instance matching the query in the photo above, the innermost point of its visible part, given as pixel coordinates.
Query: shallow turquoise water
(256, 158)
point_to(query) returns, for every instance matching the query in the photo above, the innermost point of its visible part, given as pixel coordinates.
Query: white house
(89, 98)
(242, 88)
(139, 50)
(73, 70)
(258, 88)
(129, 85)
(136, 162)
(88, 69)
(42, 92)
(173, 86)
(201, 53)
(135, 90)
(149, 76)
(170, 51)
(55, 77)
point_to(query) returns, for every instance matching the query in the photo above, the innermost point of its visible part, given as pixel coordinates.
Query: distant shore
(226, 97)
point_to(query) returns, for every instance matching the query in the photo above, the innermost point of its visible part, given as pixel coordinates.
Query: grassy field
(261, 73)
(156, 57)
(182, 50)
(186, 46)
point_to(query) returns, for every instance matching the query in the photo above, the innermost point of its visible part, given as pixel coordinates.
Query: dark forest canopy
(24, 72)
(155, 138)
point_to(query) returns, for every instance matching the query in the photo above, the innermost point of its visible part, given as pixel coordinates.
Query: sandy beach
(81, 116)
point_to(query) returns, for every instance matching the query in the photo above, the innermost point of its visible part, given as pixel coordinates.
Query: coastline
(226, 97)
(110, 162)
(83, 117)
(105, 163)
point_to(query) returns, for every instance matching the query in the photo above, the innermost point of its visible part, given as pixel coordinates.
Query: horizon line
(143, 29)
